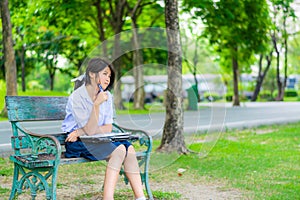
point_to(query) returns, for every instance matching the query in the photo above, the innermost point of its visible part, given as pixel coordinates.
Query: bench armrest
(37, 144)
(144, 138)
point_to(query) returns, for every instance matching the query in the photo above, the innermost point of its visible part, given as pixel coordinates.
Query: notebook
(108, 137)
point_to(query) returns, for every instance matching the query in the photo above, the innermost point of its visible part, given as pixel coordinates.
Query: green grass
(261, 163)
(149, 108)
(264, 161)
(291, 99)
(42, 93)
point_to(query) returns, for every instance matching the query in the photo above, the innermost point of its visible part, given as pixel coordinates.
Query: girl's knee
(121, 148)
(120, 151)
(131, 152)
(131, 149)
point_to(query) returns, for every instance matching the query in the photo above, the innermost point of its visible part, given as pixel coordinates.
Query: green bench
(37, 157)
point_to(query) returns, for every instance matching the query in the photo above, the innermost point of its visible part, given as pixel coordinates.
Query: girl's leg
(112, 172)
(132, 171)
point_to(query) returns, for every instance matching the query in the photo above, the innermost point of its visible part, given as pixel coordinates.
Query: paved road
(210, 117)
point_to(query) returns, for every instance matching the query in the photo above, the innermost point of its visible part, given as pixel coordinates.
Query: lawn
(261, 163)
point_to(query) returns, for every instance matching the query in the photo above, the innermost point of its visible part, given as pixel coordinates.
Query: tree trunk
(52, 76)
(173, 139)
(278, 78)
(138, 73)
(9, 53)
(285, 43)
(235, 69)
(117, 65)
(100, 27)
(261, 75)
(116, 19)
(21, 54)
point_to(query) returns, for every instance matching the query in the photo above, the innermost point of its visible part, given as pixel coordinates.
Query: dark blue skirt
(92, 151)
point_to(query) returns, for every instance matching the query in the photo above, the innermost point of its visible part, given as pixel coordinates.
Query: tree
(282, 10)
(294, 53)
(116, 18)
(20, 11)
(262, 72)
(139, 93)
(238, 28)
(9, 53)
(135, 11)
(172, 139)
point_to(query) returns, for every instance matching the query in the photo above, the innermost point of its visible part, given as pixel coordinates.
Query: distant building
(155, 86)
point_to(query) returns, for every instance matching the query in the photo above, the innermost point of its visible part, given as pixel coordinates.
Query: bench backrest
(34, 108)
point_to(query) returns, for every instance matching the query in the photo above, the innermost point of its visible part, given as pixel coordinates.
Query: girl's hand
(72, 137)
(100, 98)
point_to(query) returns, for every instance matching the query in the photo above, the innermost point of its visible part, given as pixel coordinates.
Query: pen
(100, 88)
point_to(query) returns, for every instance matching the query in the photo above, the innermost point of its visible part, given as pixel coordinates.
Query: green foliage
(70, 29)
(229, 27)
(266, 95)
(237, 29)
(293, 56)
(290, 93)
(229, 96)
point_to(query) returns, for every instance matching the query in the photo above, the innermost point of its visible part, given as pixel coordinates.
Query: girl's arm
(91, 126)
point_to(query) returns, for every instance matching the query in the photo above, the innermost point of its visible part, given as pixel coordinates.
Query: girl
(89, 111)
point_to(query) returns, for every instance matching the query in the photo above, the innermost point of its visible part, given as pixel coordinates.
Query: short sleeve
(80, 110)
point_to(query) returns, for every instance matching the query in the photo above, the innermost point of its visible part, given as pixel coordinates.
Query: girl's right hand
(100, 98)
(72, 137)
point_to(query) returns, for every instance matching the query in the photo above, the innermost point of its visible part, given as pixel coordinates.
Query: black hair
(95, 65)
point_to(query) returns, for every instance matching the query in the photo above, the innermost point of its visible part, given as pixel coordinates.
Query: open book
(108, 137)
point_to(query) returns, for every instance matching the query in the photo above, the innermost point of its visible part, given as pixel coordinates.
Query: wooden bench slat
(28, 108)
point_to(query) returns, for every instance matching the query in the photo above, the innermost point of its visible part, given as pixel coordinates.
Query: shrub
(290, 93)
(266, 95)
(228, 97)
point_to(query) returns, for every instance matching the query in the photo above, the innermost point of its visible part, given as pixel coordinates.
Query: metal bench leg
(14, 184)
(146, 176)
(148, 187)
(54, 179)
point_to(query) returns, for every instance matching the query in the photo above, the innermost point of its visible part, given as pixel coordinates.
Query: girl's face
(104, 77)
